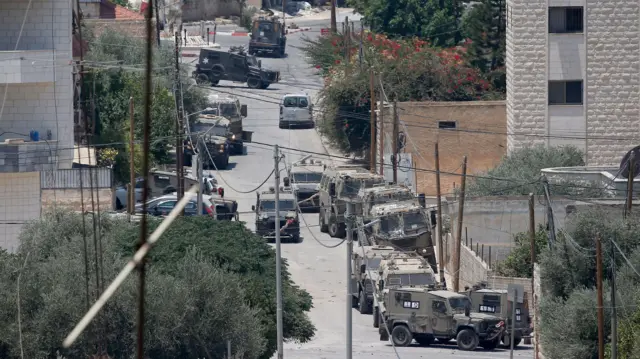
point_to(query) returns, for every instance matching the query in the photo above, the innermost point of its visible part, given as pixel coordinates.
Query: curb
(240, 33)
(231, 33)
(190, 55)
(293, 31)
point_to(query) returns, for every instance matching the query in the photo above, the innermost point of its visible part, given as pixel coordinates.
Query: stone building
(573, 75)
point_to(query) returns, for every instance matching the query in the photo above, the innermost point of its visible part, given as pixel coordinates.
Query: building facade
(36, 93)
(573, 76)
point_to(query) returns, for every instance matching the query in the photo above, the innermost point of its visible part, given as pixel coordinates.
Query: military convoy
(266, 216)
(304, 180)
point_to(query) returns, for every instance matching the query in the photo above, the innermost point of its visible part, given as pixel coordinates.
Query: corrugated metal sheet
(70, 178)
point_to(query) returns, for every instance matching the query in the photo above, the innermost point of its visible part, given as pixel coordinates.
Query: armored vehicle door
(490, 303)
(413, 309)
(441, 321)
(238, 70)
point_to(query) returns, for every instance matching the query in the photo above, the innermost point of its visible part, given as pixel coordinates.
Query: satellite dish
(624, 164)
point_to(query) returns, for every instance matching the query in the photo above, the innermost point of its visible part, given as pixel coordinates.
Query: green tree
(188, 311)
(518, 262)
(436, 20)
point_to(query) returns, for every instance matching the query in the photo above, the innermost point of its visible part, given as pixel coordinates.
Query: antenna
(624, 164)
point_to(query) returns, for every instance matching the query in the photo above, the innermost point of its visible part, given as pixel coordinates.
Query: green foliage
(518, 262)
(114, 86)
(237, 250)
(428, 19)
(190, 311)
(246, 18)
(519, 172)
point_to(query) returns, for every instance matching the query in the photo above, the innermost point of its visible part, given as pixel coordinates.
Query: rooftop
(388, 208)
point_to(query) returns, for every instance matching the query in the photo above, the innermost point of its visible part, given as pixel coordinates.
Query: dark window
(438, 306)
(238, 62)
(167, 205)
(564, 20)
(565, 92)
(446, 125)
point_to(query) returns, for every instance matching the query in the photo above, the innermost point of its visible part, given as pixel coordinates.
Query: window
(284, 205)
(309, 177)
(565, 92)
(168, 205)
(296, 101)
(446, 125)
(438, 306)
(238, 62)
(563, 20)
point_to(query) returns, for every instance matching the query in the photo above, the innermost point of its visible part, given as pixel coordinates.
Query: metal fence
(70, 178)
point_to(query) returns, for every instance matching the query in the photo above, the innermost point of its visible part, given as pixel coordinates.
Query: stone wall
(196, 10)
(71, 199)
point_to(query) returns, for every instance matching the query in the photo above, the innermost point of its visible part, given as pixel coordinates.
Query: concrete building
(36, 93)
(573, 75)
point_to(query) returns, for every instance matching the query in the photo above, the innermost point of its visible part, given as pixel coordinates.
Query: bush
(518, 262)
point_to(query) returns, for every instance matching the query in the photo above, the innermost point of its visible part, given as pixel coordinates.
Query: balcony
(26, 66)
(27, 156)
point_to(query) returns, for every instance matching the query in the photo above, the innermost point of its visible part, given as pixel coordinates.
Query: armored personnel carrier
(376, 195)
(237, 66)
(267, 36)
(340, 185)
(304, 180)
(402, 225)
(267, 220)
(230, 108)
(364, 275)
(425, 315)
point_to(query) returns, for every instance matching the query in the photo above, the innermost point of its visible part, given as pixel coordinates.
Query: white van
(296, 110)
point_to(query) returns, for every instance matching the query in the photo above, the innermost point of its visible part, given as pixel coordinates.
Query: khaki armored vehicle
(402, 269)
(266, 216)
(404, 226)
(425, 315)
(382, 194)
(494, 302)
(338, 186)
(230, 108)
(304, 180)
(365, 275)
(267, 36)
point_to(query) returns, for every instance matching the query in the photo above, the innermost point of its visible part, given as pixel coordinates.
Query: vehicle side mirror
(260, 63)
(332, 189)
(243, 110)
(286, 181)
(363, 268)
(253, 208)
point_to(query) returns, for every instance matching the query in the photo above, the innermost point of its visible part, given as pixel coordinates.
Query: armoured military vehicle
(402, 269)
(237, 66)
(425, 315)
(213, 150)
(337, 187)
(370, 197)
(402, 225)
(495, 302)
(230, 108)
(304, 180)
(267, 36)
(364, 275)
(266, 217)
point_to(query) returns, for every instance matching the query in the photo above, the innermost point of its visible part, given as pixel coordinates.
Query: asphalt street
(319, 270)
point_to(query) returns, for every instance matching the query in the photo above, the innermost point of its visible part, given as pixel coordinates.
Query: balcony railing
(26, 66)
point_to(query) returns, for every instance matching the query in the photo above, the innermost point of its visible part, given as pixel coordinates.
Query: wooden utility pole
(381, 109)
(439, 214)
(334, 25)
(155, 3)
(132, 170)
(456, 277)
(600, 298)
(632, 161)
(372, 155)
(346, 35)
(394, 143)
(532, 228)
(179, 126)
(360, 50)
(614, 310)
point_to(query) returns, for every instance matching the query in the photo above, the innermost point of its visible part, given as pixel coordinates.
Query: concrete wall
(45, 106)
(71, 199)
(493, 221)
(133, 28)
(195, 10)
(537, 290)
(19, 203)
(480, 134)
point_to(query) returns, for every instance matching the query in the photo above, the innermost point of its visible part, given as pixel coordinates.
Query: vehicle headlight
(221, 148)
(233, 137)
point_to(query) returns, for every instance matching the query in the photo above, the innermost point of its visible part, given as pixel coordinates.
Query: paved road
(319, 270)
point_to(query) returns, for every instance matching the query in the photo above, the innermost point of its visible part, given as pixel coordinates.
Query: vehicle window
(390, 224)
(161, 181)
(303, 102)
(459, 304)
(285, 205)
(414, 221)
(140, 184)
(438, 306)
(228, 109)
(238, 62)
(191, 205)
(291, 102)
(373, 263)
(413, 279)
(168, 205)
(309, 177)
(351, 187)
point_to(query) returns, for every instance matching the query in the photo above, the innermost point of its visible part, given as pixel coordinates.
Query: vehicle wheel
(119, 204)
(376, 317)
(467, 340)
(363, 305)
(506, 340)
(490, 344)
(323, 227)
(342, 231)
(265, 85)
(202, 79)
(354, 301)
(254, 82)
(401, 336)
(333, 226)
(424, 340)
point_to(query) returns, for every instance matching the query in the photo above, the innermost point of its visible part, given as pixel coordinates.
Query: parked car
(162, 206)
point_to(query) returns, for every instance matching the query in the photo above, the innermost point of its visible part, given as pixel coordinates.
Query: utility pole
(155, 3)
(372, 155)
(394, 141)
(532, 236)
(200, 178)
(600, 299)
(381, 110)
(276, 157)
(179, 126)
(349, 300)
(456, 276)
(334, 25)
(132, 171)
(550, 219)
(360, 52)
(347, 44)
(632, 161)
(439, 198)
(614, 310)
(284, 15)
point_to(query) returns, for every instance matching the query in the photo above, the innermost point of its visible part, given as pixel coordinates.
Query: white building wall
(19, 203)
(526, 72)
(40, 106)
